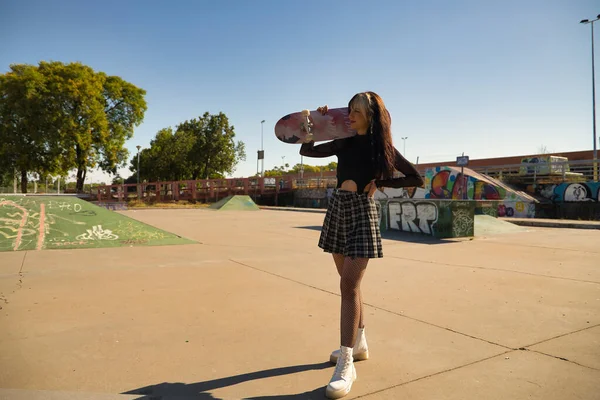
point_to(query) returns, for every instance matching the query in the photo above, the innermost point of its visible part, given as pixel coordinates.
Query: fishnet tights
(351, 272)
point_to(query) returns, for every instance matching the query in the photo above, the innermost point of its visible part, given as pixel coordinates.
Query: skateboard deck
(295, 127)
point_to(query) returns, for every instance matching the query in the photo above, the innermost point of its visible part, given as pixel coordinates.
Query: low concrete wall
(577, 210)
(434, 217)
(438, 218)
(312, 198)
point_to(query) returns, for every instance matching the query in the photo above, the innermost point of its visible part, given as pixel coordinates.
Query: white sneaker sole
(338, 394)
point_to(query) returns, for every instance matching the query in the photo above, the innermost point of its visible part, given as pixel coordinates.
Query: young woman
(350, 231)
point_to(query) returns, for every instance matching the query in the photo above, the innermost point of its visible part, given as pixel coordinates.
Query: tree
(332, 166)
(27, 140)
(118, 180)
(295, 170)
(215, 151)
(6, 179)
(95, 115)
(132, 179)
(56, 117)
(543, 149)
(167, 157)
(197, 149)
(308, 169)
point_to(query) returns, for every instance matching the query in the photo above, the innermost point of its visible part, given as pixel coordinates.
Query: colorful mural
(544, 165)
(450, 183)
(570, 192)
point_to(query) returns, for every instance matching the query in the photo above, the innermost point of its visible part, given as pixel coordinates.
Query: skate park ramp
(235, 203)
(66, 222)
(486, 225)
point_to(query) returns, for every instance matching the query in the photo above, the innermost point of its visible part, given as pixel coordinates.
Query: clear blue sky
(490, 78)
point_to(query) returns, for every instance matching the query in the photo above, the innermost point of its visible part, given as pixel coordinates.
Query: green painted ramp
(52, 222)
(235, 203)
(486, 225)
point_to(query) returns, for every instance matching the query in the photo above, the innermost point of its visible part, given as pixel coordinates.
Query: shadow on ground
(392, 234)
(201, 390)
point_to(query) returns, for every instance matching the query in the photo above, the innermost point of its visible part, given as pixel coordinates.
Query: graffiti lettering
(413, 216)
(67, 243)
(134, 241)
(97, 233)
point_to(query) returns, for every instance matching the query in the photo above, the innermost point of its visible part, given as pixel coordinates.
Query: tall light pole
(404, 149)
(586, 21)
(261, 155)
(138, 147)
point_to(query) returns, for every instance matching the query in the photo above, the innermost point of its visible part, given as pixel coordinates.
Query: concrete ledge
(297, 209)
(554, 223)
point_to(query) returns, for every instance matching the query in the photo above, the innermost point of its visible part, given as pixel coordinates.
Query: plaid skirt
(351, 226)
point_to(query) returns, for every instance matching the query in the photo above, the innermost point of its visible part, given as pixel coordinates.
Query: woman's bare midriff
(349, 185)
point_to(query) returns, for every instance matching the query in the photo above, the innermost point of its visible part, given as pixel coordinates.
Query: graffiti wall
(438, 218)
(570, 192)
(449, 183)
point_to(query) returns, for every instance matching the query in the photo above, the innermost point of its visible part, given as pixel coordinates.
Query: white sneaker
(360, 351)
(343, 376)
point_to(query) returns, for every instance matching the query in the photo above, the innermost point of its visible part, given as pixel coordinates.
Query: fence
(538, 173)
(530, 174)
(209, 190)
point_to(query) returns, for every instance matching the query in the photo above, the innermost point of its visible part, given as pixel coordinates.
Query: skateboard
(311, 125)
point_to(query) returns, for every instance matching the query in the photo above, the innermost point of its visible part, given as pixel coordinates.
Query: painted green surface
(29, 223)
(488, 225)
(487, 207)
(235, 203)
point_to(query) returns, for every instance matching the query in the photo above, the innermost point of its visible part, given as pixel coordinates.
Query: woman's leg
(351, 277)
(338, 259)
(339, 264)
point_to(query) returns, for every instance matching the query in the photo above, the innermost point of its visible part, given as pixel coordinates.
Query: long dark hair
(380, 131)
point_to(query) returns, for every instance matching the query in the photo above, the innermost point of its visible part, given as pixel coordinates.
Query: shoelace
(340, 368)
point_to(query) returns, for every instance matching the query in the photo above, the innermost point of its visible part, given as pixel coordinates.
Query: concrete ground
(252, 312)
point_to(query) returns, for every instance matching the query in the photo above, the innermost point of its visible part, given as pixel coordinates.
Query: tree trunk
(81, 173)
(81, 170)
(23, 181)
(206, 167)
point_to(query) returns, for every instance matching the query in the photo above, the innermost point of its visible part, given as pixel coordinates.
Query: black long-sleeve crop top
(355, 163)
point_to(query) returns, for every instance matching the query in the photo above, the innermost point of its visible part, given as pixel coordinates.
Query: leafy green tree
(95, 115)
(27, 140)
(57, 117)
(197, 149)
(308, 169)
(278, 171)
(215, 151)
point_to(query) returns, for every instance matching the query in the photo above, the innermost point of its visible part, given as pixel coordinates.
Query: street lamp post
(586, 21)
(404, 148)
(138, 147)
(262, 149)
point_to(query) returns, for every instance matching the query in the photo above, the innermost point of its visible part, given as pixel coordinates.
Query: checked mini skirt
(351, 226)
